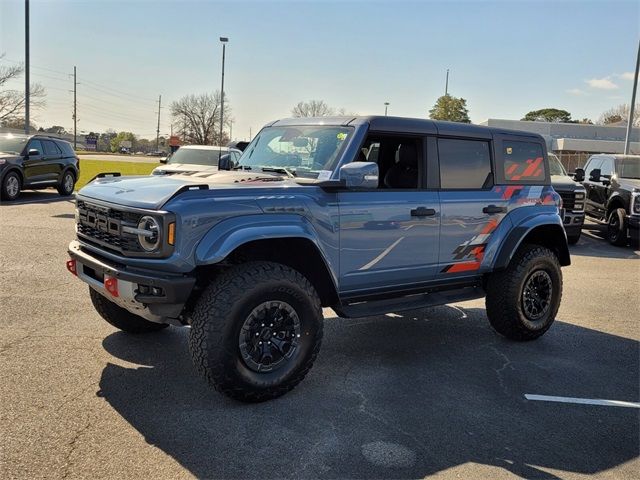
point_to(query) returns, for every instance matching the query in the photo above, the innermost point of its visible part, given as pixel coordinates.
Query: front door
(389, 235)
(34, 165)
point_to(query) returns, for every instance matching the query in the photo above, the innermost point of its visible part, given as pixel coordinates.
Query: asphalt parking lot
(428, 392)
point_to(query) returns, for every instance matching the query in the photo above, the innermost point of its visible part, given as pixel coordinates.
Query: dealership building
(575, 142)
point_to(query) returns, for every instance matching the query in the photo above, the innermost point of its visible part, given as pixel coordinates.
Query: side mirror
(579, 175)
(360, 175)
(224, 162)
(594, 175)
(34, 152)
(165, 159)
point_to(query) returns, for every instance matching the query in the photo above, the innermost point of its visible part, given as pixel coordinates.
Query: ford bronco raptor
(365, 215)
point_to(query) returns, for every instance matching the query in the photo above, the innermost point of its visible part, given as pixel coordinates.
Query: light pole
(386, 106)
(224, 41)
(627, 141)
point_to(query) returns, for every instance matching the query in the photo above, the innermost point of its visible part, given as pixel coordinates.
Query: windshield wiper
(241, 167)
(284, 170)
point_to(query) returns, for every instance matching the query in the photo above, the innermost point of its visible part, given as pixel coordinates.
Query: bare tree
(312, 108)
(620, 114)
(198, 118)
(12, 100)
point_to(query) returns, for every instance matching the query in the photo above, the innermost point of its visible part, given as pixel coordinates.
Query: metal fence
(573, 160)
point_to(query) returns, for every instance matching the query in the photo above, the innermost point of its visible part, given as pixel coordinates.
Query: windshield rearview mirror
(224, 163)
(579, 175)
(360, 175)
(34, 152)
(300, 142)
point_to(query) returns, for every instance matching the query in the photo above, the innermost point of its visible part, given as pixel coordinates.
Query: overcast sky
(506, 58)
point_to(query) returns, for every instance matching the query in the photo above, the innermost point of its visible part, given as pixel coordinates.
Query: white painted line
(583, 401)
(382, 255)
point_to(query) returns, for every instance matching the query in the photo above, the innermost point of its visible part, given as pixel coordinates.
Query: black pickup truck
(613, 194)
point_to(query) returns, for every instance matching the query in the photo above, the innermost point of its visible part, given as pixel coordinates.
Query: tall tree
(312, 108)
(198, 118)
(12, 100)
(450, 108)
(122, 137)
(620, 114)
(554, 115)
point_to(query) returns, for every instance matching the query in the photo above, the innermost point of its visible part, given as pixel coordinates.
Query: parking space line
(583, 401)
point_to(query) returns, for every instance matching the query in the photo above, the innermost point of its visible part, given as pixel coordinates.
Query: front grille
(102, 226)
(568, 200)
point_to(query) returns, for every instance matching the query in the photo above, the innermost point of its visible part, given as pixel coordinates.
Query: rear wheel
(617, 228)
(68, 182)
(10, 186)
(121, 318)
(256, 331)
(523, 300)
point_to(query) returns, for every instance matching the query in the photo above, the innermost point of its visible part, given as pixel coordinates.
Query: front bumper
(573, 222)
(163, 306)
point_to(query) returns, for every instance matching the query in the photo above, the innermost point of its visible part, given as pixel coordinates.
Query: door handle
(491, 209)
(422, 212)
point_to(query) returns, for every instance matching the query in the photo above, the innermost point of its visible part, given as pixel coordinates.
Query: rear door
(53, 160)
(471, 209)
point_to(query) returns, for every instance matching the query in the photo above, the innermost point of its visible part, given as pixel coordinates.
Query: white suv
(195, 159)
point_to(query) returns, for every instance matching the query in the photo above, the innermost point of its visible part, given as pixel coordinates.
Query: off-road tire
(121, 318)
(218, 318)
(66, 185)
(5, 190)
(617, 228)
(504, 300)
(573, 239)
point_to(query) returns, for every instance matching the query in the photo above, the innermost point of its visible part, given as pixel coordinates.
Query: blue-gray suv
(365, 215)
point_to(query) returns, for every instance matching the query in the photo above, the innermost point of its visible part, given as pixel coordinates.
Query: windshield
(555, 167)
(12, 144)
(629, 167)
(306, 151)
(196, 156)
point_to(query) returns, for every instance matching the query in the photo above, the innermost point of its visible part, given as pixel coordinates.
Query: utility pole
(26, 68)
(249, 133)
(627, 141)
(75, 108)
(158, 129)
(446, 84)
(224, 41)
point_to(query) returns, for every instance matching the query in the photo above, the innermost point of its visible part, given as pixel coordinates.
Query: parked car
(195, 158)
(238, 145)
(248, 257)
(572, 194)
(613, 194)
(31, 162)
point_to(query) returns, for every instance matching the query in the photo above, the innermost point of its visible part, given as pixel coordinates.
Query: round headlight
(150, 239)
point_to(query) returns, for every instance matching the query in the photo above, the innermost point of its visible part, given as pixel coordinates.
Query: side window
(607, 167)
(592, 165)
(464, 164)
(400, 160)
(51, 148)
(37, 145)
(66, 149)
(523, 161)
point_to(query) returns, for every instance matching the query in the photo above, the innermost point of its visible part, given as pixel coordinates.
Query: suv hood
(564, 183)
(184, 168)
(153, 191)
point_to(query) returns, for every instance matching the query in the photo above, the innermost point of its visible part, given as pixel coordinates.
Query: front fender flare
(554, 236)
(229, 234)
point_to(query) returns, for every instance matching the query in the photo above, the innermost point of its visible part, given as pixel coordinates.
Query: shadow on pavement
(593, 243)
(397, 397)
(39, 196)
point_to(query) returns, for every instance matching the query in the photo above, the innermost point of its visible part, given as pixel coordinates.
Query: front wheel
(10, 189)
(523, 300)
(617, 228)
(256, 331)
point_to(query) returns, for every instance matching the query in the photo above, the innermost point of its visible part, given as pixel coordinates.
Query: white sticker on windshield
(324, 174)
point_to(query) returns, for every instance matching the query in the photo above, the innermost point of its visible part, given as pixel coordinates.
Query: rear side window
(523, 161)
(50, 148)
(464, 164)
(66, 148)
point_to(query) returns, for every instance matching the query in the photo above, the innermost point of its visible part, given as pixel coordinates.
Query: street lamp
(224, 41)
(386, 105)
